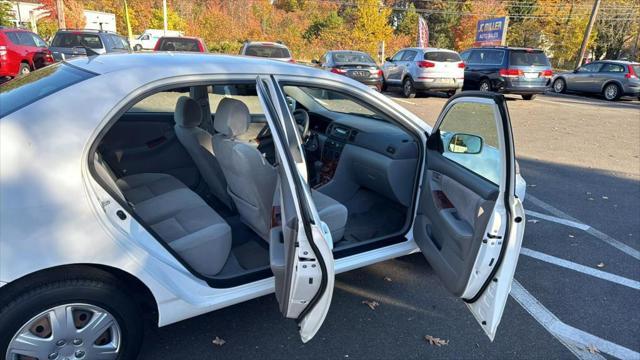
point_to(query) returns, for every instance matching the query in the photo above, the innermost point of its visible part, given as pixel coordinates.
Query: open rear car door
(301, 257)
(469, 223)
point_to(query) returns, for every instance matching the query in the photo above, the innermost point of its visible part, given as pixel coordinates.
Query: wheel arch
(139, 291)
(28, 62)
(612, 81)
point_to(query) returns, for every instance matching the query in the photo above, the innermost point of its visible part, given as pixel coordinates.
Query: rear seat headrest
(188, 112)
(232, 117)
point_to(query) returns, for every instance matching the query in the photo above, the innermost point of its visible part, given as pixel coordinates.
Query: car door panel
(146, 142)
(300, 255)
(466, 212)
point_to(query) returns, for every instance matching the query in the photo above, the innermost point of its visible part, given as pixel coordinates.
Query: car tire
(528, 96)
(611, 92)
(408, 89)
(485, 85)
(559, 86)
(30, 313)
(138, 47)
(383, 86)
(451, 93)
(24, 69)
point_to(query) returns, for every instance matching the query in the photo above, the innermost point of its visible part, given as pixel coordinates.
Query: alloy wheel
(484, 86)
(558, 86)
(611, 92)
(65, 332)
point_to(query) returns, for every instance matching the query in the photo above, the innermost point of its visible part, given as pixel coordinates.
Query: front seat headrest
(188, 112)
(232, 117)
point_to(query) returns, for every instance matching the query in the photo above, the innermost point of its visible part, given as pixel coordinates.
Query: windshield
(337, 102)
(352, 57)
(25, 90)
(268, 51)
(69, 40)
(528, 58)
(442, 56)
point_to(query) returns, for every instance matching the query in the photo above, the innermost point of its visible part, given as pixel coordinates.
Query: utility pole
(60, 9)
(164, 15)
(587, 32)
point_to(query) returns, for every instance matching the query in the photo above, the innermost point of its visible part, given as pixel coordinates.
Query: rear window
(442, 56)
(25, 90)
(178, 44)
(348, 57)
(70, 40)
(528, 58)
(267, 51)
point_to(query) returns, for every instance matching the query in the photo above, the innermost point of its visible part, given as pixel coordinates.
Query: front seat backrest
(199, 145)
(251, 179)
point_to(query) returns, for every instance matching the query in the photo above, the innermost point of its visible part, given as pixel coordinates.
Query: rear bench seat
(178, 215)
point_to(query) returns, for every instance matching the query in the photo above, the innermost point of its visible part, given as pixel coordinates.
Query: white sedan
(178, 184)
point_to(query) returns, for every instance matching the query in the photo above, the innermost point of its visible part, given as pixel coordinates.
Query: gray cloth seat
(251, 179)
(199, 145)
(178, 215)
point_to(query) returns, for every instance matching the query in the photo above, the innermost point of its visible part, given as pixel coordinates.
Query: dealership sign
(492, 31)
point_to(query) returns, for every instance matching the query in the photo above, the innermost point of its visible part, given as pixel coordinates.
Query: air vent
(352, 135)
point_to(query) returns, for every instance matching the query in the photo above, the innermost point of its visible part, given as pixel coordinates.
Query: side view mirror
(388, 59)
(465, 144)
(315, 61)
(575, 71)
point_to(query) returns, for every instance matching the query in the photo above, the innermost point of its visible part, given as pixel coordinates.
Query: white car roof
(150, 66)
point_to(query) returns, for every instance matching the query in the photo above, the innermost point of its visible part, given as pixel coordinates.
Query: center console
(337, 137)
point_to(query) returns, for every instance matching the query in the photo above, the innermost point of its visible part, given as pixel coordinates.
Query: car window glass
(26, 39)
(244, 92)
(269, 51)
(528, 58)
(469, 137)
(160, 102)
(38, 41)
(397, 56)
(442, 56)
(352, 57)
(13, 37)
(27, 89)
(465, 56)
(612, 68)
(409, 55)
(178, 44)
(333, 101)
(593, 67)
(69, 40)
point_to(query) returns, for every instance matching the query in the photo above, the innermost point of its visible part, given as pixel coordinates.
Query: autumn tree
(371, 25)
(616, 26)
(6, 14)
(73, 12)
(174, 21)
(408, 24)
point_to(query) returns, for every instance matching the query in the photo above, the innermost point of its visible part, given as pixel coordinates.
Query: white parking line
(558, 220)
(404, 101)
(581, 268)
(596, 233)
(577, 341)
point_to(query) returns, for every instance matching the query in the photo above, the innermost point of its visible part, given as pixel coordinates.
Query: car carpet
(372, 216)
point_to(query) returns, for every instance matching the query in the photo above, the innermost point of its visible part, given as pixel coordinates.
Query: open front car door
(301, 257)
(469, 223)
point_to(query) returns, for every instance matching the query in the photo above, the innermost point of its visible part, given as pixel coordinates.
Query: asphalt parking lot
(577, 288)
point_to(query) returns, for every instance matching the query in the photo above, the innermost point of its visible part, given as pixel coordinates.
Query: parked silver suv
(611, 78)
(423, 69)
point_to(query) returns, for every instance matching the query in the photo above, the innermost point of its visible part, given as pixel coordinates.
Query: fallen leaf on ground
(571, 236)
(593, 349)
(218, 341)
(436, 341)
(386, 278)
(600, 264)
(533, 221)
(372, 304)
(605, 197)
(590, 199)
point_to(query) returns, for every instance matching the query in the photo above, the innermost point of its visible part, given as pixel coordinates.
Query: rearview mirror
(465, 144)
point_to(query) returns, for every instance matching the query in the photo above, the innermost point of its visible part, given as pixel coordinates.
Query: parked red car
(180, 43)
(21, 52)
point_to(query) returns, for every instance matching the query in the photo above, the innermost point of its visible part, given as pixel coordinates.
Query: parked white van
(148, 39)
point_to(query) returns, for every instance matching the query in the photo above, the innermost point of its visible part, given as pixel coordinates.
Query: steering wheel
(301, 118)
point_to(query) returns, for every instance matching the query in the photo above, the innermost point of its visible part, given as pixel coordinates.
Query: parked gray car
(611, 78)
(70, 43)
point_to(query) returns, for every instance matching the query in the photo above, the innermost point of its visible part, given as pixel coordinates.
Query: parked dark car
(611, 78)
(354, 64)
(71, 43)
(180, 43)
(21, 52)
(508, 70)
